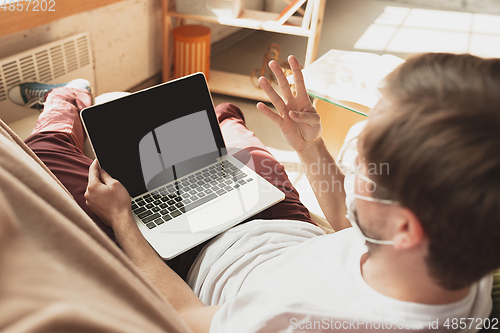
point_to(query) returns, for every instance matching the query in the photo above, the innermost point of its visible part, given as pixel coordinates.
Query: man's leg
(58, 141)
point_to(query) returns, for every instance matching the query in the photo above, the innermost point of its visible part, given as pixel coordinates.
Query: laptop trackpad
(217, 213)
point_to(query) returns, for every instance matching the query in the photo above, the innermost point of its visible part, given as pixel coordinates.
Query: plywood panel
(19, 20)
(336, 122)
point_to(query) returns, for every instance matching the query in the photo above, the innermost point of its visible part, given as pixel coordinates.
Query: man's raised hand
(298, 120)
(106, 196)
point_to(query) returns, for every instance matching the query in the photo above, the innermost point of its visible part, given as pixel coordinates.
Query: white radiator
(57, 62)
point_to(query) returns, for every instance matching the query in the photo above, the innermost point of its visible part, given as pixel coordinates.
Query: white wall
(125, 37)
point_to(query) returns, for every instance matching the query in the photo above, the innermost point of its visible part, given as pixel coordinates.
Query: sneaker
(33, 94)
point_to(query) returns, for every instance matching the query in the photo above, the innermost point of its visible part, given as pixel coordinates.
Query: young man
(424, 236)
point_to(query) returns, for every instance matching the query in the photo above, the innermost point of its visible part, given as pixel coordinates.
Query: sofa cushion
(60, 272)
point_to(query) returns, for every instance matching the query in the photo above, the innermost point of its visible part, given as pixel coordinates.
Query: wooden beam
(166, 31)
(299, 10)
(318, 12)
(19, 20)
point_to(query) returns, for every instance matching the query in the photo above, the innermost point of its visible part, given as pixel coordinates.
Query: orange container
(191, 50)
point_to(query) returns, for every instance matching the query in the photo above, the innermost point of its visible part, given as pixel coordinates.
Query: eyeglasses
(352, 169)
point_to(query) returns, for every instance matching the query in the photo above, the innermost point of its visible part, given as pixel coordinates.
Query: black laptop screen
(154, 136)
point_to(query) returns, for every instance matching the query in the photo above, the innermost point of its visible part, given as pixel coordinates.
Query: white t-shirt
(289, 276)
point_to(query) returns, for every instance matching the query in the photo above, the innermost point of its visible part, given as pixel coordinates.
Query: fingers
(309, 118)
(275, 118)
(301, 99)
(282, 81)
(278, 103)
(94, 173)
(298, 78)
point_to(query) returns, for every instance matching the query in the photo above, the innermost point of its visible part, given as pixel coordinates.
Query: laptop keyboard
(188, 193)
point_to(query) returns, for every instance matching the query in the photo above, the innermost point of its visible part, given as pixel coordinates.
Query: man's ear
(409, 230)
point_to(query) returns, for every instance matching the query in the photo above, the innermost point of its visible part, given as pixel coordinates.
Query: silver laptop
(165, 146)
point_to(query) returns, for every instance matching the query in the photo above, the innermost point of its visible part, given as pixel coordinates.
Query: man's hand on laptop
(107, 197)
(298, 120)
